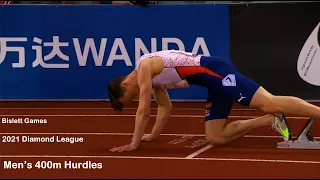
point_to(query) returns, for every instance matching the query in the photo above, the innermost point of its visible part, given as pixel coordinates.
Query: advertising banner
(72, 52)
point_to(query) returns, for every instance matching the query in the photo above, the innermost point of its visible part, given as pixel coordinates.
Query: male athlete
(155, 72)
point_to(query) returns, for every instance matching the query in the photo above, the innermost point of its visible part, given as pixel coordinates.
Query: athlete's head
(122, 90)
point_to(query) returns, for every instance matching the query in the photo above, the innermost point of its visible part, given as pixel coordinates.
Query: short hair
(115, 92)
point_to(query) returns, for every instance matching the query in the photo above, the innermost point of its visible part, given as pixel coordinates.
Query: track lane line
(125, 115)
(130, 134)
(166, 158)
(192, 155)
(178, 109)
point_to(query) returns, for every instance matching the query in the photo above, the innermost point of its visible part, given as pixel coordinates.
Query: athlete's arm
(147, 70)
(164, 108)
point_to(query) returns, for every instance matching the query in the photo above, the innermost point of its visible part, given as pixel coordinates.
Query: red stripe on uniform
(186, 71)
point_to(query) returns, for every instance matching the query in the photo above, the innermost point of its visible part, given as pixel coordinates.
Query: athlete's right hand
(148, 138)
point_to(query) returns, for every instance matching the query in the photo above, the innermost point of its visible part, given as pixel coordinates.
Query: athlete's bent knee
(216, 140)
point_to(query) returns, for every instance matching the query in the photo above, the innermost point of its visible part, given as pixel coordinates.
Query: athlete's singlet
(224, 83)
(175, 70)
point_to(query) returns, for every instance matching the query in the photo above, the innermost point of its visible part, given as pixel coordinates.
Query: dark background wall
(266, 40)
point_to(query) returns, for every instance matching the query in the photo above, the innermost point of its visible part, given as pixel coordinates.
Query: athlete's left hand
(128, 147)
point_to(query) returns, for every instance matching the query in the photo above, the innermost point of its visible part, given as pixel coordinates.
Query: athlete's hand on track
(128, 147)
(148, 138)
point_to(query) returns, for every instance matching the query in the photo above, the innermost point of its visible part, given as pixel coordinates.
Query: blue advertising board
(72, 52)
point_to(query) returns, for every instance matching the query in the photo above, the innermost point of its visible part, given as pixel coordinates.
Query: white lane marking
(130, 134)
(121, 134)
(190, 156)
(167, 158)
(124, 115)
(86, 108)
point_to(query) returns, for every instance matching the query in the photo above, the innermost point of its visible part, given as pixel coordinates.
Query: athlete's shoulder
(146, 58)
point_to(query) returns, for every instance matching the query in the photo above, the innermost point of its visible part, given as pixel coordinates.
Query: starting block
(303, 141)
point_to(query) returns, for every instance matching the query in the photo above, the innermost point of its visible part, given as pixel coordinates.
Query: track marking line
(130, 134)
(167, 158)
(190, 156)
(179, 109)
(124, 115)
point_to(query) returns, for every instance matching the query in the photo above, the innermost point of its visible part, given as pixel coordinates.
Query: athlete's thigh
(231, 83)
(217, 106)
(217, 110)
(243, 89)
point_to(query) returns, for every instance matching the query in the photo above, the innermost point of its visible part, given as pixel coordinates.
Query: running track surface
(181, 151)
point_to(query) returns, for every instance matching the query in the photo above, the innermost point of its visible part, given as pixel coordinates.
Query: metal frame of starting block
(303, 141)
